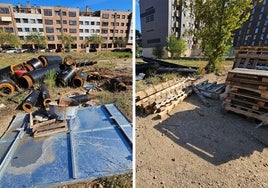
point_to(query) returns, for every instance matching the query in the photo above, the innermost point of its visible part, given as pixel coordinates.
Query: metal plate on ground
(95, 146)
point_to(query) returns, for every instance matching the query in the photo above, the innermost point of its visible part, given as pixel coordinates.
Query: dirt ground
(200, 146)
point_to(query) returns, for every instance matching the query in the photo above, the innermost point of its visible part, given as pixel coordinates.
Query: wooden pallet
(48, 127)
(250, 91)
(243, 111)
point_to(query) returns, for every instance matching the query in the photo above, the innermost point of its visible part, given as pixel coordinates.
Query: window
(150, 18)
(34, 29)
(92, 30)
(105, 24)
(104, 31)
(47, 12)
(117, 24)
(21, 37)
(92, 23)
(27, 29)
(256, 30)
(4, 10)
(39, 21)
(65, 30)
(122, 24)
(64, 13)
(72, 22)
(97, 30)
(81, 31)
(105, 16)
(41, 30)
(260, 16)
(49, 29)
(263, 29)
(64, 22)
(117, 16)
(72, 14)
(58, 30)
(123, 16)
(25, 20)
(19, 29)
(97, 23)
(50, 38)
(48, 22)
(86, 30)
(18, 20)
(9, 29)
(72, 30)
(111, 31)
(81, 23)
(81, 38)
(262, 9)
(58, 22)
(32, 21)
(121, 31)
(57, 13)
(116, 31)
(86, 22)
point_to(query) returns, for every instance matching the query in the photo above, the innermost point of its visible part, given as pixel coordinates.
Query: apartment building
(159, 19)
(254, 32)
(54, 22)
(115, 27)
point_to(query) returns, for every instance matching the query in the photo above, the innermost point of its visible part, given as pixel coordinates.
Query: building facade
(54, 22)
(161, 18)
(254, 32)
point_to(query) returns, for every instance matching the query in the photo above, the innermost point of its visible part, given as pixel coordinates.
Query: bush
(158, 52)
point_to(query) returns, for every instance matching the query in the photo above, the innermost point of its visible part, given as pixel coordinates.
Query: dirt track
(200, 146)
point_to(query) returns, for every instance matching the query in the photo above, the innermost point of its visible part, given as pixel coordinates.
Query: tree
(217, 20)
(138, 34)
(7, 38)
(158, 51)
(66, 41)
(121, 42)
(36, 39)
(95, 40)
(175, 46)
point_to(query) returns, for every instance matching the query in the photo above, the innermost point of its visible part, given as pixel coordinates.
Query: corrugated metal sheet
(98, 143)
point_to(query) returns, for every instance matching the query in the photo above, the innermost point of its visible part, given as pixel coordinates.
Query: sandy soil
(200, 146)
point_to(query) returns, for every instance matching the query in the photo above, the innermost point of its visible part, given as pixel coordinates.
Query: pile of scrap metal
(248, 84)
(162, 98)
(208, 89)
(153, 66)
(25, 75)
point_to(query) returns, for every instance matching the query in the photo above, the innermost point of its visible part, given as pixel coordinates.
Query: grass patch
(50, 79)
(105, 64)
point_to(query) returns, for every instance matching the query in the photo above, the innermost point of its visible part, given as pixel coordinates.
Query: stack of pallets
(251, 58)
(162, 98)
(249, 92)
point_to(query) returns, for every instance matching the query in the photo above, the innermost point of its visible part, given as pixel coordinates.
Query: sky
(95, 5)
(123, 5)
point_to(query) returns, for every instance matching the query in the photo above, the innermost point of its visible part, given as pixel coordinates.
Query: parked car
(31, 50)
(10, 50)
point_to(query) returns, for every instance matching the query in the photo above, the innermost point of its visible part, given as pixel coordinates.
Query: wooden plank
(50, 128)
(253, 92)
(253, 72)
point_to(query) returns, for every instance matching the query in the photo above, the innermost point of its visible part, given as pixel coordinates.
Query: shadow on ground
(212, 135)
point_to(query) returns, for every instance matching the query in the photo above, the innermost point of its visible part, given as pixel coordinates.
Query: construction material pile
(248, 83)
(162, 98)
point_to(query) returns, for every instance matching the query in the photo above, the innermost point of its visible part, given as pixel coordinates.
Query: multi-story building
(159, 19)
(115, 27)
(254, 32)
(54, 22)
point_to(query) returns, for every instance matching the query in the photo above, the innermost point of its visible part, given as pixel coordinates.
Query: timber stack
(162, 98)
(248, 83)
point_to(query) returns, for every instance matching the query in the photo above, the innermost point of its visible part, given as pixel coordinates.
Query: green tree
(138, 50)
(7, 38)
(217, 20)
(121, 42)
(67, 41)
(175, 46)
(138, 34)
(158, 51)
(36, 39)
(95, 40)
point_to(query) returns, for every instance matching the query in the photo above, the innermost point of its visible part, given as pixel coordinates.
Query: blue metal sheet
(93, 147)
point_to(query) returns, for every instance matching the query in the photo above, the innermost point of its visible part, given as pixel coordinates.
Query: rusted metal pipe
(30, 101)
(45, 95)
(118, 85)
(28, 79)
(17, 67)
(78, 81)
(81, 98)
(6, 71)
(65, 77)
(50, 59)
(7, 87)
(69, 61)
(35, 63)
